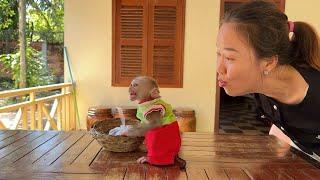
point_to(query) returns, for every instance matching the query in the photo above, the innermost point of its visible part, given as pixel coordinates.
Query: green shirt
(156, 105)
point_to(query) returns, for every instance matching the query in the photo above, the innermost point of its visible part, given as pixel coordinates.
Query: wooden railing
(34, 113)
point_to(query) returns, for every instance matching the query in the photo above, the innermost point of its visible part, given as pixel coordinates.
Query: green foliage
(45, 20)
(6, 14)
(37, 74)
(6, 83)
(9, 19)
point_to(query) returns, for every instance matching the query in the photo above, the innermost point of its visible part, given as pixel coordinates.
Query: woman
(256, 55)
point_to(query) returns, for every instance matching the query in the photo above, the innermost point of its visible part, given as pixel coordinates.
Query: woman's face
(239, 72)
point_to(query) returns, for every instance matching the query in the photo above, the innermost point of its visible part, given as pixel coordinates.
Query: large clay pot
(98, 113)
(186, 119)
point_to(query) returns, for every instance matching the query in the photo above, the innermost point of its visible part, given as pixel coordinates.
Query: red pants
(163, 144)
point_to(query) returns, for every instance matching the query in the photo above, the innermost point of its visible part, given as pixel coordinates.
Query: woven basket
(100, 131)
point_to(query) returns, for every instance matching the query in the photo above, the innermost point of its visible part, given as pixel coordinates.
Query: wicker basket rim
(96, 133)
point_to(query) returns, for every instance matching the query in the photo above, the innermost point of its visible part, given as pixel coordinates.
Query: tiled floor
(238, 115)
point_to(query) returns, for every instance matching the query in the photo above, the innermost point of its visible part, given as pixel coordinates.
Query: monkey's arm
(154, 119)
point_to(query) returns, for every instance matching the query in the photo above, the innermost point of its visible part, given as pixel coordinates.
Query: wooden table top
(70, 155)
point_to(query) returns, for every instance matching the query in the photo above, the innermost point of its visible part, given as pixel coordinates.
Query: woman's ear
(155, 93)
(269, 64)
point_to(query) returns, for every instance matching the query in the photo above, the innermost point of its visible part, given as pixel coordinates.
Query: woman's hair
(267, 31)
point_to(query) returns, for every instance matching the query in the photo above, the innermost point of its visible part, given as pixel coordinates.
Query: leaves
(7, 13)
(37, 73)
(44, 19)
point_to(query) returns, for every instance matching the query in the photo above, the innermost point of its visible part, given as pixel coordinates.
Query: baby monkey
(158, 123)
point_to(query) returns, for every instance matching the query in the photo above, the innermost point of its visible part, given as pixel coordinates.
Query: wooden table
(70, 155)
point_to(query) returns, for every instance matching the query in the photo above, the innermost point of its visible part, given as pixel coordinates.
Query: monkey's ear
(155, 93)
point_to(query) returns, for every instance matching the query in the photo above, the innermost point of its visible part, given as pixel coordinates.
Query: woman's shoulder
(311, 75)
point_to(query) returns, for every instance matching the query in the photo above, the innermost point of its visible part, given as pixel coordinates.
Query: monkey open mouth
(133, 95)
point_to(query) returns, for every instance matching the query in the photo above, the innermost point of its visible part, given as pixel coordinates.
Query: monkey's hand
(136, 130)
(154, 120)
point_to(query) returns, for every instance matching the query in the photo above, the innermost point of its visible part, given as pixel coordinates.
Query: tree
(39, 20)
(46, 20)
(8, 22)
(8, 14)
(37, 75)
(22, 43)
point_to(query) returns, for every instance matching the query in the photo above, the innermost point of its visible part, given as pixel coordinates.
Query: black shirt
(301, 122)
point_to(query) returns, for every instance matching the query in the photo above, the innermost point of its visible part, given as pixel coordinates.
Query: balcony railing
(37, 111)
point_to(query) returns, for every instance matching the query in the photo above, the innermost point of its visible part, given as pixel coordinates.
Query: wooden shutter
(165, 41)
(129, 40)
(148, 40)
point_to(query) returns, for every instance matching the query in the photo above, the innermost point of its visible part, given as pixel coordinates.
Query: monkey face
(138, 90)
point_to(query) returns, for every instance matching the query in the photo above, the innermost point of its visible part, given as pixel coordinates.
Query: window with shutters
(148, 40)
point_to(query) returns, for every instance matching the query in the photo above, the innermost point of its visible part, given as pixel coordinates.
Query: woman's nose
(221, 69)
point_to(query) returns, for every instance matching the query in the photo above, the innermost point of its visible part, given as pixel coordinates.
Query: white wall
(88, 34)
(307, 11)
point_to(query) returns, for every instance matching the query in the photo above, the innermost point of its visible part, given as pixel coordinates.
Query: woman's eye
(229, 59)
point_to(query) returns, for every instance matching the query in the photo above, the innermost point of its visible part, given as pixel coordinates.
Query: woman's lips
(222, 83)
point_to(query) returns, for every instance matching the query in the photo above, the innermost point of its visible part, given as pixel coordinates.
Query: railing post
(40, 120)
(32, 112)
(63, 107)
(67, 110)
(24, 118)
(72, 110)
(59, 114)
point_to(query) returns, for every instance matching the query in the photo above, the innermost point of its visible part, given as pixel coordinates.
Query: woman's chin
(233, 93)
